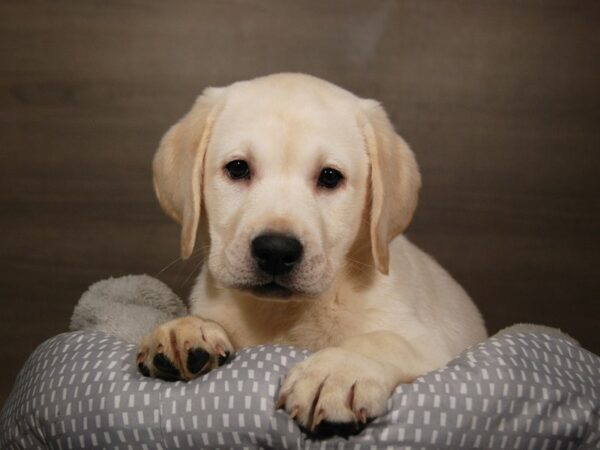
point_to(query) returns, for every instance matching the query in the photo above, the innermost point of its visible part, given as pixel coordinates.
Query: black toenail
(223, 359)
(144, 369)
(197, 359)
(166, 369)
(327, 429)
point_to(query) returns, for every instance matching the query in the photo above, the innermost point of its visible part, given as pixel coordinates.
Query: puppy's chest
(320, 328)
(311, 326)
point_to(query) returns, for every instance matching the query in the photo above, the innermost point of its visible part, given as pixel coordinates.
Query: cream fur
(377, 310)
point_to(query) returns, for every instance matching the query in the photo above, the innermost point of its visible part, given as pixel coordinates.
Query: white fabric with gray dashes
(517, 390)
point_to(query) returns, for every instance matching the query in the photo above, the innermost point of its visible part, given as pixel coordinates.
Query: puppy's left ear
(395, 181)
(178, 165)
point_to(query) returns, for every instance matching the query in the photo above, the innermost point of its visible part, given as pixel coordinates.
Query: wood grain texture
(499, 99)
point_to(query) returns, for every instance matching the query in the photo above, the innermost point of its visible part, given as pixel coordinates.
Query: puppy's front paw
(335, 391)
(183, 349)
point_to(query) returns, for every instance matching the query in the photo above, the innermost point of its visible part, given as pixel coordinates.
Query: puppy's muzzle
(275, 253)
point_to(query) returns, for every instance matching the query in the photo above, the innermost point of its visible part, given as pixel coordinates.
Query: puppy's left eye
(238, 170)
(329, 178)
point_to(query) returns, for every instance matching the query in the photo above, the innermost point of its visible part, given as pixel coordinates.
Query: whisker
(360, 263)
(198, 252)
(194, 270)
(357, 271)
(168, 265)
(183, 283)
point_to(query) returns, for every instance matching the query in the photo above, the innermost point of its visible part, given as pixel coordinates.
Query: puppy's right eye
(238, 170)
(329, 178)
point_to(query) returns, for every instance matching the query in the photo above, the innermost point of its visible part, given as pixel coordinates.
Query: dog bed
(528, 387)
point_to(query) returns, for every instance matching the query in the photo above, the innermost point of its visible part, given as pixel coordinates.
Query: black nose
(275, 253)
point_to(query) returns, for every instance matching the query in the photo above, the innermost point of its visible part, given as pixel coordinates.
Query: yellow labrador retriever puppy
(298, 192)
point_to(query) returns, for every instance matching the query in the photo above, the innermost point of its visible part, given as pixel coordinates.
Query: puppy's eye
(329, 178)
(238, 170)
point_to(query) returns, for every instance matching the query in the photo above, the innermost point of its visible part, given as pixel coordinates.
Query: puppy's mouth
(271, 290)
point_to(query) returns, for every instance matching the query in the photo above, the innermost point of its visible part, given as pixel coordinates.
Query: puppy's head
(288, 168)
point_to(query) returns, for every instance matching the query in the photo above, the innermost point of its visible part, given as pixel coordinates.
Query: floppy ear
(178, 164)
(395, 181)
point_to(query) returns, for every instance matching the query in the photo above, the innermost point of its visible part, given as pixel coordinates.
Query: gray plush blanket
(522, 389)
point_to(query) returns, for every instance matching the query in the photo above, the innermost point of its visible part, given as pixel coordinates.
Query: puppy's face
(283, 166)
(285, 182)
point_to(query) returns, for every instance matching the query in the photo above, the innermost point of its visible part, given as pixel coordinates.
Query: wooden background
(499, 99)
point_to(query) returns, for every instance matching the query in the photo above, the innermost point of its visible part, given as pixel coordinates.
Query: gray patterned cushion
(518, 390)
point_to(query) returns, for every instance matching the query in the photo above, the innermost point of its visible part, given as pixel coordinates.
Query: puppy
(298, 192)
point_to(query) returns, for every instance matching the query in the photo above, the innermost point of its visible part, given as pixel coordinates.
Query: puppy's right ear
(178, 165)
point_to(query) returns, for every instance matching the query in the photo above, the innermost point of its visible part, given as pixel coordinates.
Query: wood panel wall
(499, 99)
